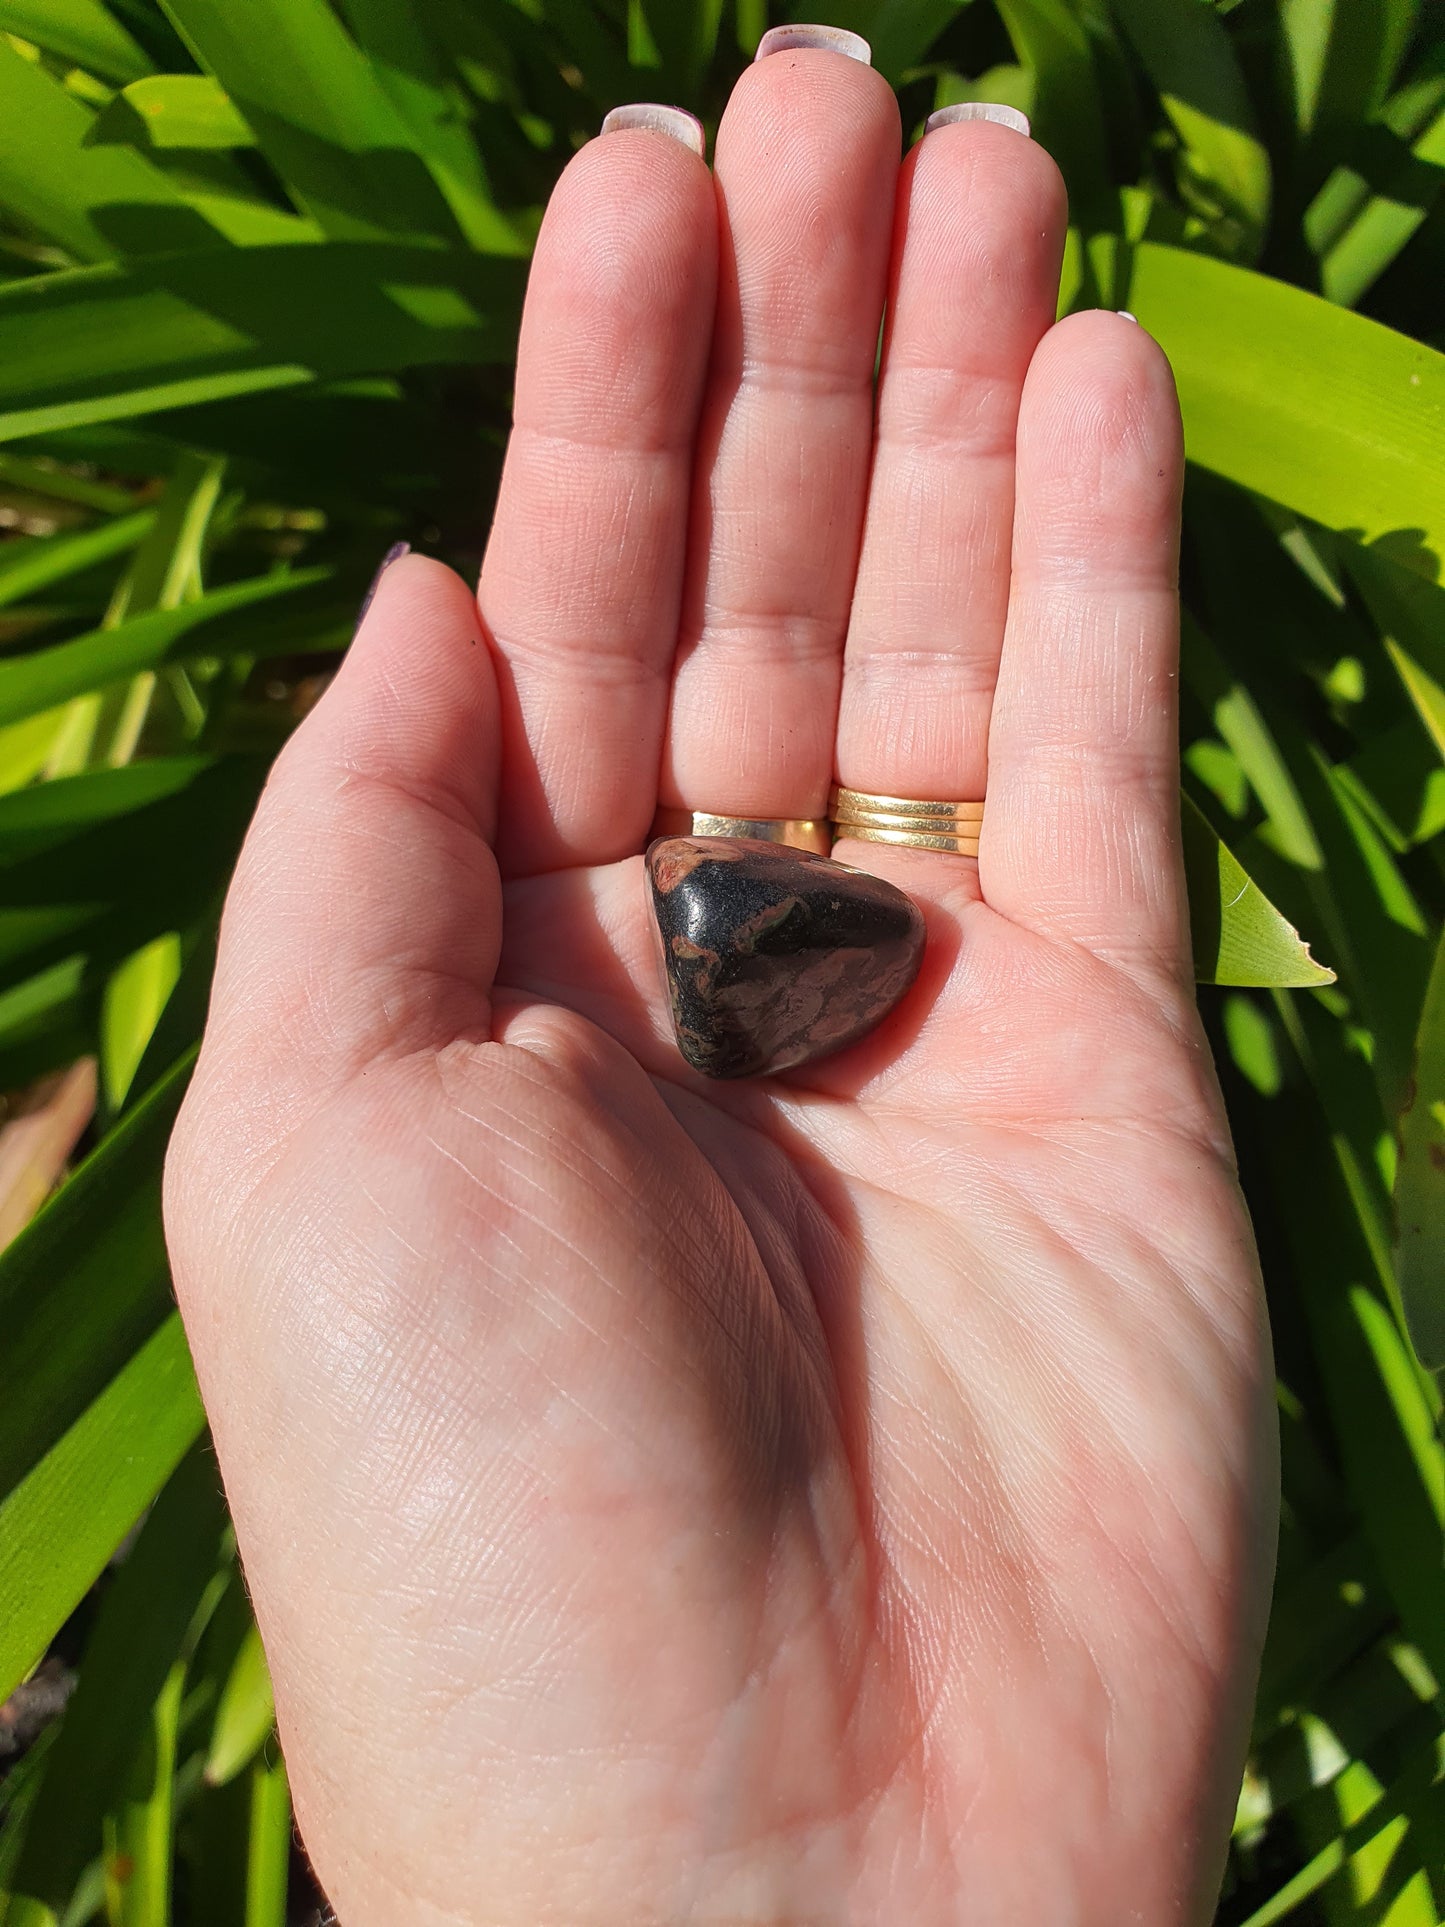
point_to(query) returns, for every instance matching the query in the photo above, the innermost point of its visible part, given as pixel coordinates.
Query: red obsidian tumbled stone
(774, 956)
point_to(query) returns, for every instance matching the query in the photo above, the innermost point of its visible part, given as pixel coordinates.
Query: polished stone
(773, 956)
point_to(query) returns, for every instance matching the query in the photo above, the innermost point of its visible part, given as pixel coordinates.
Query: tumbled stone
(773, 956)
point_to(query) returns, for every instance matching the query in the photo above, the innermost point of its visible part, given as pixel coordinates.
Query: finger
(364, 915)
(977, 244)
(807, 160)
(1081, 837)
(582, 576)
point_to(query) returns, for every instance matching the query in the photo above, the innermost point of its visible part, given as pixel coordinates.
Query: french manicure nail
(993, 110)
(656, 119)
(833, 40)
(393, 554)
(1125, 315)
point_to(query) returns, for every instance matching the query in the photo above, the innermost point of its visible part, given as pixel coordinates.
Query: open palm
(839, 1498)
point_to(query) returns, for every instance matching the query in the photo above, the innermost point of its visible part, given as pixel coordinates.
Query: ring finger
(978, 241)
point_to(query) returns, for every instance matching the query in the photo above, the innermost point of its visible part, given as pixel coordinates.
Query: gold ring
(908, 821)
(857, 806)
(799, 832)
(957, 843)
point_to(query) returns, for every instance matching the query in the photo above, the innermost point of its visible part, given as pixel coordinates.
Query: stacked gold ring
(921, 825)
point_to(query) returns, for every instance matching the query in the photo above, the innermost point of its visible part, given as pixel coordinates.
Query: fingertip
(1100, 448)
(812, 98)
(415, 698)
(1108, 352)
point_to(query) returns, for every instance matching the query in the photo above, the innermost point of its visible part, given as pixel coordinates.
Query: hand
(840, 1499)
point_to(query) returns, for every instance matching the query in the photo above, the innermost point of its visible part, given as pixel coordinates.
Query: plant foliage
(260, 273)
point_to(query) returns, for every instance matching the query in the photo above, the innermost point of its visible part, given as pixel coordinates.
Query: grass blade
(84, 31)
(1420, 1182)
(99, 344)
(140, 1633)
(61, 1524)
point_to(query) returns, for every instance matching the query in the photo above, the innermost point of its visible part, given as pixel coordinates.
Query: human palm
(843, 1497)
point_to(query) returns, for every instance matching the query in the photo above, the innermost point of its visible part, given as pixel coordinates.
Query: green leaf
(1343, 54)
(138, 1836)
(171, 111)
(238, 618)
(63, 1521)
(82, 1287)
(320, 114)
(95, 202)
(84, 31)
(46, 1023)
(1239, 936)
(1050, 39)
(1308, 404)
(1420, 1182)
(424, 90)
(1389, 219)
(1188, 56)
(268, 1856)
(1410, 613)
(28, 566)
(115, 885)
(135, 995)
(900, 32)
(130, 1660)
(245, 1712)
(104, 343)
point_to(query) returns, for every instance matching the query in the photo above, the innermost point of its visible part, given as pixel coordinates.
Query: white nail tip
(834, 40)
(1124, 315)
(656, 119)
(993, 110)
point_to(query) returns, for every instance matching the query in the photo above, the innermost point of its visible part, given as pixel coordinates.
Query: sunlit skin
(845, 1498)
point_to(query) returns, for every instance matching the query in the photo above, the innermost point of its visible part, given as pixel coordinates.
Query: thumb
(365, 914)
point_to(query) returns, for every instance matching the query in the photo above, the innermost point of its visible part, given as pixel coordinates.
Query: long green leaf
(116, 886)
(82, 1287)
(171, 111)
(94, 202)
(320, 113)
(426, 94)
(101, 344)
(139, 1635)
(65, 1519)
(268, 1854)
(236, 618)
(1315, 407)
(1388, 220)
(28, 566)
(1189, 58)
(139, 1834)
(84, 31)
(245, 1712)
(1420, 1182)
(1050, 39)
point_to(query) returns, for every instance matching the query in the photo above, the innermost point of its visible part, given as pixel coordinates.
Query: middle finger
(807, 161)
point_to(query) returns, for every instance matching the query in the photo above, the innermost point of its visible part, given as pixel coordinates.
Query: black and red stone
(774, 956)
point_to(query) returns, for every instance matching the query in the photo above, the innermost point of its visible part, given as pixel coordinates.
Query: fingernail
(833, 40)
(993, 110)
(1125, 315)
(393, 554)
(656, 119)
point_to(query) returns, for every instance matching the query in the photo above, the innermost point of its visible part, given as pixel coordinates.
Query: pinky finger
(1082, 834)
